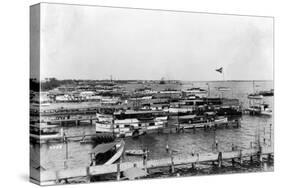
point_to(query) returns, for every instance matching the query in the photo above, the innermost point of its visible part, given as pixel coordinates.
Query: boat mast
(208, 89)
(253, 86)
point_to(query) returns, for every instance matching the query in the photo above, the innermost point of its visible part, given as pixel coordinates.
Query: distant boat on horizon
(255, 95)
(223, 88)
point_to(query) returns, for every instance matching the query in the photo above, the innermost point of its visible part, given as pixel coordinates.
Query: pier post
(270, 133)
(88, 174)
(232, 149)
(220, 159)
(259, 154)
(269, 157)
(172, 164)
(66, 149)
(65, 164)
(57, 178)
(118, 170)
(251, 159)
(216, 144)
(145, 160)
(238, 123)
(240, 157)
(193, 166)
(197, 161)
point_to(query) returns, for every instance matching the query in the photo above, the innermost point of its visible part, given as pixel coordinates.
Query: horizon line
(159, 80)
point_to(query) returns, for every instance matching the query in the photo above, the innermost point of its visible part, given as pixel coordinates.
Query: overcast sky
(86, 42)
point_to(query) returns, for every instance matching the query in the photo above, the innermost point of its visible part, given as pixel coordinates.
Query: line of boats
(148, 111)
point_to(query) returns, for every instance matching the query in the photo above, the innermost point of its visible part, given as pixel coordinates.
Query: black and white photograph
(122, 94)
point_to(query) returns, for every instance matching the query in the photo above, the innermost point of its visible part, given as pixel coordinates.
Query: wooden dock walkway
(50, 177)
(76, 120)
(210, 125)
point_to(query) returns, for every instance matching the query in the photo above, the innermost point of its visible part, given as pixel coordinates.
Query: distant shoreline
(132, 80)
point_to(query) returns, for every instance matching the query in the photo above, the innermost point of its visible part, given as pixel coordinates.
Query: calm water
(54, 154)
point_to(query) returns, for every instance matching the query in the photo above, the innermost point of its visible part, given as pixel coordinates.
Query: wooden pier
(217, 158)
(72, 120)
(207, 125)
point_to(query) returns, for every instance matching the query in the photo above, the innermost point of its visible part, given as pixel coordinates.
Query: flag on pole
(219, 70)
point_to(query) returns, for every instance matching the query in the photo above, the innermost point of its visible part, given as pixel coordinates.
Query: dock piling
(172, 164)
(88, 176)
(270, 133)
(240, 157)
(145, 160)
(193, 166)
(118, 170)
(220, 159)
(197, 161)
(259, 154)
(57, 177)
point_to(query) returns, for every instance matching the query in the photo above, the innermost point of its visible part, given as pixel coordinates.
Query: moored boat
(224, 89)
(267, 93)
(260, 109)
(42, 132)
(195, 92)
(108, 153)
(132, 123)
(255, 96)
(135, 152)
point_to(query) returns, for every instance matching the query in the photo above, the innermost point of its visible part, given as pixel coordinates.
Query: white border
(14, 42)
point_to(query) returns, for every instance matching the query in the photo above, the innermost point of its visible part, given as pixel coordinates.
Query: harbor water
(54, 155)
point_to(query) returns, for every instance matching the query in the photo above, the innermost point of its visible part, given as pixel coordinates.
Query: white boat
(224, 88)
(260, 109)
(221, 119)
(135, 152)
(267, 112)
(45, 104)
(255, 96)
(195, 92)
(132, 123)
(104, 117)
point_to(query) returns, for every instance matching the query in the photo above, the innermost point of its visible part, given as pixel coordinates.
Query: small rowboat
(255, 96)
(135, 152)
